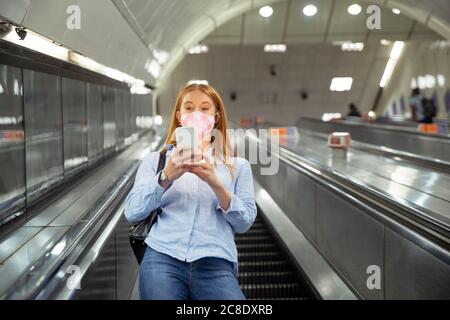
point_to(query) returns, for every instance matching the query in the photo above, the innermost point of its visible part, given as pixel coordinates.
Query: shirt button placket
(196, 202)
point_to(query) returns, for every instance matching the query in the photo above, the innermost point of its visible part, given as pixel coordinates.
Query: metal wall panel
(43, 132)
(12, 156)
(94, 122)
(127, 112)
(300, 201)
(109, 120)
(120, 116)
(126, 265)
(74, 116)
(413, 273)
(351, 239)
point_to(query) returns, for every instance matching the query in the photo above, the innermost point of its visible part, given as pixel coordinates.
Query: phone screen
(186, 137)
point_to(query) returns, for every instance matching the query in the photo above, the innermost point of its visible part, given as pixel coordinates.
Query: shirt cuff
(159, 190)
(219, 209)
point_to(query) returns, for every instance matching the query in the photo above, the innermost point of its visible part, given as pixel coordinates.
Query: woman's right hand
(179, 162)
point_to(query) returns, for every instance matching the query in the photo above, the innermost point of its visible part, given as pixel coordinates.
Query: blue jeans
(162, 277)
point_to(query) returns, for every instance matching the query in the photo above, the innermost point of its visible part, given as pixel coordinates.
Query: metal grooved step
(264, 273)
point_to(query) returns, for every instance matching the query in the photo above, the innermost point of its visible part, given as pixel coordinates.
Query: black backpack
(429, 108)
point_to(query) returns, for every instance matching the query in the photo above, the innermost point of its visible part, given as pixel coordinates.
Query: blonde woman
(191, 252)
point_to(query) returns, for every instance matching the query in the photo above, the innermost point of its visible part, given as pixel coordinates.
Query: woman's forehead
(197, 96)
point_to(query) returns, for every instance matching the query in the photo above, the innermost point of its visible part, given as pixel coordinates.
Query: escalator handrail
(427, 162)
(73, 244)
(351, 189)
(432, 137)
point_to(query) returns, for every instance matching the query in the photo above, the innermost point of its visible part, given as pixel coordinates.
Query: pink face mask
(202, 122)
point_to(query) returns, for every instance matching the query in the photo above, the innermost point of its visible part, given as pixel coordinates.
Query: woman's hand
(207, 173)
(179, 161)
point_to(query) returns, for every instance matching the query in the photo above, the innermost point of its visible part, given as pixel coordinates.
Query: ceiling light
(39, 43)
(153, 67)
(396, 11)
(385, 42)
(441, 80)
(158, 120)
(352, 46)
(205, 82)
(275, 48)
(341, 84)
(395, 55)
(354, 9)
(266, 11)
(310, 10)
(199, 49)
(161, 56)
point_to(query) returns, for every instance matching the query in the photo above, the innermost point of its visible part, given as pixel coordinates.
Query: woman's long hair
(222, 149)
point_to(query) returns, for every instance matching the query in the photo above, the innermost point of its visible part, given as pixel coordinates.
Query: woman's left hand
(207, 173)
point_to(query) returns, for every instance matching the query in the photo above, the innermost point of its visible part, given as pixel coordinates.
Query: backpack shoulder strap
(162, 161)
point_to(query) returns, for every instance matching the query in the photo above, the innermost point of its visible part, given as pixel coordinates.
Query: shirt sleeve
(241, 212)
(146, 194)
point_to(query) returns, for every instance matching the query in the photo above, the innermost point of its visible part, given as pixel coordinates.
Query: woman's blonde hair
(221, 125)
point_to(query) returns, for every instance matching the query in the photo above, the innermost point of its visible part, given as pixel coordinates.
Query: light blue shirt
(417, 102)
(192, 225)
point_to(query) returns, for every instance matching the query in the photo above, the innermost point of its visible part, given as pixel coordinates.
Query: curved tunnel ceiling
(124, 34)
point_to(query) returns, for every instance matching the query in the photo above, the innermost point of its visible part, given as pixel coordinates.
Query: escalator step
(256, 246)
(272, 290)
(263, 271)
(257, 231)
(258, 239)
(263, 266)
(267, 277)
(258, 256)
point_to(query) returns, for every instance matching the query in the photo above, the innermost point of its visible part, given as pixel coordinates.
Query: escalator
(265, 272)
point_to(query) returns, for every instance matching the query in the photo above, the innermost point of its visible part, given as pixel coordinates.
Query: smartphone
(185, 136)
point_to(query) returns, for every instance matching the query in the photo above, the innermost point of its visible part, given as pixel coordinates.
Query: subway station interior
(348, 99)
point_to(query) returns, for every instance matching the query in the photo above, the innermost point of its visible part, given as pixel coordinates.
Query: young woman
(191, 252)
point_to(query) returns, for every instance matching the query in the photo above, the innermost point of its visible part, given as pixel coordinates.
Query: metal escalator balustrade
(264, 272)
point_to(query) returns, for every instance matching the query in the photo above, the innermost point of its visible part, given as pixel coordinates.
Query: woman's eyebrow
(203, 102)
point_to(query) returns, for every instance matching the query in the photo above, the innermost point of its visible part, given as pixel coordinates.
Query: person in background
(353, 111)
(416, 105)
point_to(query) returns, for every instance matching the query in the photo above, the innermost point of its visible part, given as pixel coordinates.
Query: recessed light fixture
(354, 9)
(199, 49)
(266, 11)
(310, 10)
(341, 84)
(396, 11)
(352, 46)
(275, 48)
(385, 42)
(195, 81)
